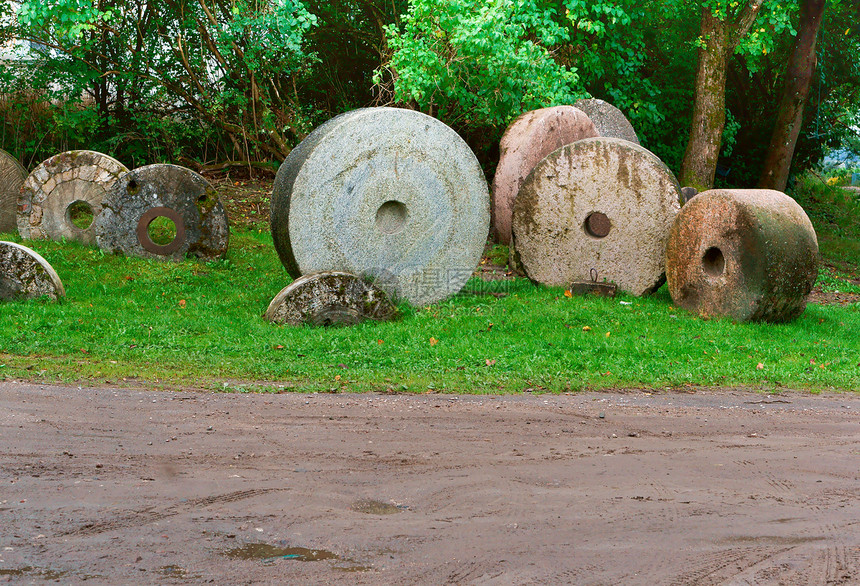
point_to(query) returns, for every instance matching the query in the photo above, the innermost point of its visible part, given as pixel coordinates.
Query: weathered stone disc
(383, 192)
(61, 187)
(609, 120)
(12, 176)
(328, 299)
(750, 254)
(24, 274)
(527, 140)
(599, 203)
(172, 195)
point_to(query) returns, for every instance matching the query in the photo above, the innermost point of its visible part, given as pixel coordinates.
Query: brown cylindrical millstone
(750, 254)
(527, 140)
(71, 183)
(12, 176)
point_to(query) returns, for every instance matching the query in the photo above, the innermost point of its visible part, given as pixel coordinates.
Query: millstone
(599, 204)
(527, 140)
(24, 274)
(176, 200)
(63, 190)
(748, 254)
(609, 120)
(12, 176)
(327, 299)
(386, 193)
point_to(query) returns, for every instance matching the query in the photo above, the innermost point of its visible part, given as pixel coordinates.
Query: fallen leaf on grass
(607, 334)
(586, 329)
(182, 303)
(489, 362)
(433, 341)
(567, 293)
(759, 366)
(379, 341)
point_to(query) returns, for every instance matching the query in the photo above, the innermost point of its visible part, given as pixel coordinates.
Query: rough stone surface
(748, 254)
(12, 176)
(609, 120)
(179, 194)
(387, 193)
(53, 188)
(688, 193)
(24, 274)
(602, 204)
(527, 140)
(328, 299)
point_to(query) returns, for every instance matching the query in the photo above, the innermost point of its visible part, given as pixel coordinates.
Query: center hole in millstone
(391, 217)
(161, 230)
(714, 262)
(80, 214)
(597, 225)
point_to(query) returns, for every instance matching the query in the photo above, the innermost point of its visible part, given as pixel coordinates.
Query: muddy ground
(134, 486)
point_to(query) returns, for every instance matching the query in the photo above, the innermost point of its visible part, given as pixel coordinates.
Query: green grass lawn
(200, 325)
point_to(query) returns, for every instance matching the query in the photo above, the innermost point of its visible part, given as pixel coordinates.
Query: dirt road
(126, 486)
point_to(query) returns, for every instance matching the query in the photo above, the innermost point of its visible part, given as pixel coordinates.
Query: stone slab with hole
(526, 141)
(24, 274)
(12, 176)
(330, 299)
(749, 254)
(609, 121)
(601, 205)
(62, 197)
(163, 212)
(386, 193)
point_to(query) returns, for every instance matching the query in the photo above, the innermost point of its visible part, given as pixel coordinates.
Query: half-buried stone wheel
(386, 193)
(601, 205)
(24, 274)
(63, 196)
(12, 176)
(748, 254)
(527, 140)
(163, 212)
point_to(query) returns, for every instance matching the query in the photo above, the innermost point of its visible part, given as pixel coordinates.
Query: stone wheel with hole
(385, 193)
(750, 254)
(163, 212)
(63, 196)
(24, 274)
(599, 203)
(12, 176)
(527, 140)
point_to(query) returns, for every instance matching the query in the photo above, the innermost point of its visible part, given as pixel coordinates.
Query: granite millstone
(12, 176)
(385, 193)
(750, 254)
(527, 140)
(609, 120)
(182, 196)
(24, 274)
(330, 299)
(601, 205)
(51, 192)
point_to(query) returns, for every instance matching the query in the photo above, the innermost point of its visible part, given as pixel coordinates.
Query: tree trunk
(709, 106)
(801, 67)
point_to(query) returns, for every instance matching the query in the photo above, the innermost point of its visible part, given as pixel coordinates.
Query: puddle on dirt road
(269, 554)
(372, 507)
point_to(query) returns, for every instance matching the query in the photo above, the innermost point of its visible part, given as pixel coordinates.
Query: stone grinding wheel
(609, 120)
(599, 203)
(527, 140)
(750, 254)
(387, 193)
(12, 176)
(332, 298)
(180, 195)
(24, 274)
(61, 187)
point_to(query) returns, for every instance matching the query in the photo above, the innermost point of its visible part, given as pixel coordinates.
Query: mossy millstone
(527, 140)
(748, 254)
(330, 299)
(61, 190)
(385, 193)
(12, 176)
(183, 201)
(601, 205)
(609, 121)
(24, 274)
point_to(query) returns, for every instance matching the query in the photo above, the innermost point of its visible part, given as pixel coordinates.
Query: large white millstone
(12, 176)
(385, 193)
(600, 203)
